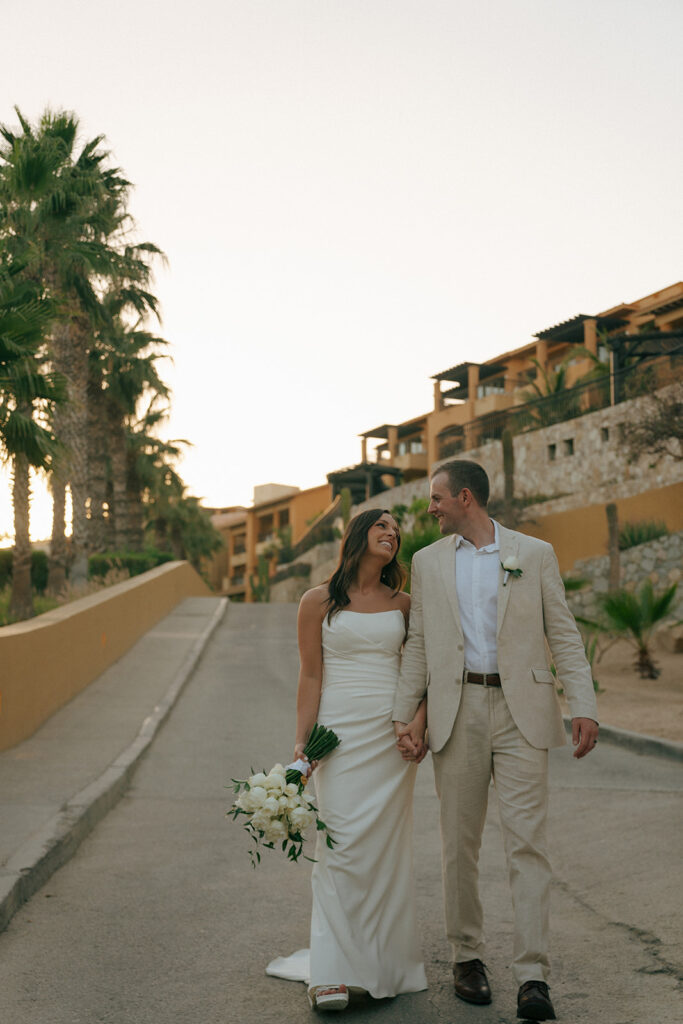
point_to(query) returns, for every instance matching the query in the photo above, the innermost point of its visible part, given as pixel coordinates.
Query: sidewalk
(56, 785)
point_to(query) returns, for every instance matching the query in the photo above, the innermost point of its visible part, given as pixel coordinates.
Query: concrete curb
(639, 743)
(57, 841)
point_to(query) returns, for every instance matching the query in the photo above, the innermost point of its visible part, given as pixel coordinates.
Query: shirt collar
(494, 546)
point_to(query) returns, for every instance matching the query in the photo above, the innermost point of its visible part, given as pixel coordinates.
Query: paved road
(159, 919)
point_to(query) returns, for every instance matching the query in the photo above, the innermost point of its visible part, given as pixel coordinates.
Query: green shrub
(39, 567)
(6, 555)
(135, 562)
(632, 534)
(296, 569)
(39, 570)
(41, 604)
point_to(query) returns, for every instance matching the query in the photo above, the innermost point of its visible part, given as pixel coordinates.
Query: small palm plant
(424, 531)
(633, 617)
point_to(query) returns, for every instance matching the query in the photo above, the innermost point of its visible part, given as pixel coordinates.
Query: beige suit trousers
(486, 743)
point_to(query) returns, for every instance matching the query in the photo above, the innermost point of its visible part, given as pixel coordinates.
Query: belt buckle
(485, 677)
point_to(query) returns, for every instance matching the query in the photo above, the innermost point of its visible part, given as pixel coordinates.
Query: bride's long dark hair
(354, 546)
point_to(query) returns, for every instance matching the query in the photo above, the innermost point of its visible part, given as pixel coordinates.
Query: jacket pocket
(543, 675)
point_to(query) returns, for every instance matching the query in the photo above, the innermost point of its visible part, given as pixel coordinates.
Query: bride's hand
(410, 740)
(300, 756)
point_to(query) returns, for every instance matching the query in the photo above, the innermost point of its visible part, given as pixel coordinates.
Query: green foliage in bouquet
(321, 742)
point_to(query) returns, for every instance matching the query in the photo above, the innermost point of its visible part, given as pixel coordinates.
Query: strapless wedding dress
(363, 927)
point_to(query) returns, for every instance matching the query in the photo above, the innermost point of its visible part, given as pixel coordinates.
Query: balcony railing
(610, 389)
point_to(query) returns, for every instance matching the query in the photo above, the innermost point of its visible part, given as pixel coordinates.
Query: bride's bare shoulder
(314, 599)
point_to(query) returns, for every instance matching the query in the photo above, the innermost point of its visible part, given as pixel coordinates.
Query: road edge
(639, 743)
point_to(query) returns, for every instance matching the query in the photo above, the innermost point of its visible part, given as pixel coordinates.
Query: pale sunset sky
(356, 194)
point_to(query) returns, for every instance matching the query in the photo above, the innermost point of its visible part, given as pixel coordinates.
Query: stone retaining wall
(658, 560)
(574, 463)
(322, 559)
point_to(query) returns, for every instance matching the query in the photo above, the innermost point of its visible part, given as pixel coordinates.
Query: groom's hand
(584, 735)
(411, 747)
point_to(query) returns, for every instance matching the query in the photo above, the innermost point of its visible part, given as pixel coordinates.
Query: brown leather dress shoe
(533, 1001)
(471, 983)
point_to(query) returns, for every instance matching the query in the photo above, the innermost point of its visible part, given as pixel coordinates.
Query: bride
(351, 630)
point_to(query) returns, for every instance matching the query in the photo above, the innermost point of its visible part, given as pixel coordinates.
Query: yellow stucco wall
(305, 506)
(48, 660)
(582, 532)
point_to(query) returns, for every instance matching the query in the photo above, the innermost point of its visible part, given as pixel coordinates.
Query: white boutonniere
(511, 567)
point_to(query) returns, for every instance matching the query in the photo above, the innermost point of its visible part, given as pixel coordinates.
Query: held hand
(584, 735)
(410, 741)
(300, 756)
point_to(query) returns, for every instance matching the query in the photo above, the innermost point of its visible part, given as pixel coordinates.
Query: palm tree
(633, 617)
(66, 212)
(26, 392)
(424, 530)
(549, 399)
(122, 372)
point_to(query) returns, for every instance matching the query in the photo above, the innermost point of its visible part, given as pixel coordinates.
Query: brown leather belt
(485, 678)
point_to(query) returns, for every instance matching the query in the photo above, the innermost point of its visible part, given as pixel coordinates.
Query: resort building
(595, 359)
(258, 536)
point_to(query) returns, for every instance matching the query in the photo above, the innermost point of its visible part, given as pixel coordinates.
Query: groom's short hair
(465, 473)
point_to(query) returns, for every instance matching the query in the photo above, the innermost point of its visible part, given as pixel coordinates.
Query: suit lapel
(509, 545)
(447, 569)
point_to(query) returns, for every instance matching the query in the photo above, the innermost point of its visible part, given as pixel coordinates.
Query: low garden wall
(660, 561)
(49, 659)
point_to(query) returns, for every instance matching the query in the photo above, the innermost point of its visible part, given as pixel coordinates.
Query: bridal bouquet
(276, 808)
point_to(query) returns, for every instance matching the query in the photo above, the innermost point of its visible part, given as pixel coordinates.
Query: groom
(477, 647)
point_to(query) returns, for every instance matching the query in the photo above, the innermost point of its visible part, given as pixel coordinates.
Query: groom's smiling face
(447, 508)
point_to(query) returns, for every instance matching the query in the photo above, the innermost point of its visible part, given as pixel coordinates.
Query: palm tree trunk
(613, 545)
(57, 572)
(78, 442)
(119, 473)
(59, 477)
(21, 599)
(97, 466)
(136, 530)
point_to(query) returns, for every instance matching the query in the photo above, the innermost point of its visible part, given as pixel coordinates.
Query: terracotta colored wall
(305, 505)
(48, 660)
(582, 532)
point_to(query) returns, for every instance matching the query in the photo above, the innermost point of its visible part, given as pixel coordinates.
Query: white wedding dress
(363, 927)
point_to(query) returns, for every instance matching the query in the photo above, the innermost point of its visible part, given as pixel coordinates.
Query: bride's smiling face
(383, 537)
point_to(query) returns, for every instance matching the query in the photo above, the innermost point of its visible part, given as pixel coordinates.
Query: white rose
(278, 769)
(291, 789)
(245, 802)
(258, 796)
(272, 805)
(276, 782)
(261, 820)
(511, 563)
(292, 802)
(283, 802)
(257, 780)
(300, 818)
(275, 831)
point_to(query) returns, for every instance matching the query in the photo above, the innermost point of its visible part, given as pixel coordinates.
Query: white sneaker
(329, 997)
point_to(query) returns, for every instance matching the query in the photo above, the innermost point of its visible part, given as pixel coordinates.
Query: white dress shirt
(476, 579)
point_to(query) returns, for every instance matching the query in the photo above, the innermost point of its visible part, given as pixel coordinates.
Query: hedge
(39, 566)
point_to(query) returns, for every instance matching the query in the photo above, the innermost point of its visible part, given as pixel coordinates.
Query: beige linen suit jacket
(532, 609)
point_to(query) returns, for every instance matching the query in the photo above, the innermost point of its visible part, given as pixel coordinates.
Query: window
(552, 452)
(604, 434)
(568, 446)
(491, 387)
(413, 447)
